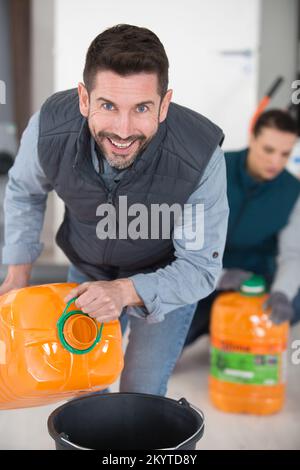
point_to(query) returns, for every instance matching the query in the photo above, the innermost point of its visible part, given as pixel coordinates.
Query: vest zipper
(109, 245)
(109, 197)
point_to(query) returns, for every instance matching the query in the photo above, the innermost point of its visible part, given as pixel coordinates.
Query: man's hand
(281, 308)
(232, 279)
(18, 276)
(104, 300)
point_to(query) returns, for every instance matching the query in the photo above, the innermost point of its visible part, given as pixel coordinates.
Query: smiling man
(119, 136)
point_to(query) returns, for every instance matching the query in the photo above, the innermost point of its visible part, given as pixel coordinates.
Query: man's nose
(123, 126)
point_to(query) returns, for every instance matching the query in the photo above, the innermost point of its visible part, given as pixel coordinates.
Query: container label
(247, 368)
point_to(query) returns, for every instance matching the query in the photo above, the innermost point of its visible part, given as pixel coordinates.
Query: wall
(42, 20)
(279, 48)
(7, 128)
(212, 48)
(6, 114)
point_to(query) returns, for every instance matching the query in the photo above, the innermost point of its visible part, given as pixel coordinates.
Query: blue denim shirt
(191, 276)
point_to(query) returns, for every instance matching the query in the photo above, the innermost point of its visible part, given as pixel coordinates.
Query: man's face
(123, 114)
(269, 152)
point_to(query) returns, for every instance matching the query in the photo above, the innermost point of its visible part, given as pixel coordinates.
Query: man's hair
(275, 119)
(126, 49)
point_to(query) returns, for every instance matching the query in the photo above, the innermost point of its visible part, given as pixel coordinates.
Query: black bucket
(126, 421)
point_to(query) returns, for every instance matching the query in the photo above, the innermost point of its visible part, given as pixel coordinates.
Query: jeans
(153, 349)
(201, 320)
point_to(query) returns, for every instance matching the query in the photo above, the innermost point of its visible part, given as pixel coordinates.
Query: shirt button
(215, 254)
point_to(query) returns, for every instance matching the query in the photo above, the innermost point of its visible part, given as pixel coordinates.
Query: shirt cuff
(147, 290)
(21, 253)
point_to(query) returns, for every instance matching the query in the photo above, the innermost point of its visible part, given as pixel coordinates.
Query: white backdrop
(212, 48)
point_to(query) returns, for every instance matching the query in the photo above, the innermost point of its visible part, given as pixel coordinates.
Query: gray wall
(279, 47)
(6, 110)
(42, 31)
(42, 13)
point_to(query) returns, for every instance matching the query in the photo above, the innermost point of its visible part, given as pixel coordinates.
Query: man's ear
(84, 102)
(165, 105)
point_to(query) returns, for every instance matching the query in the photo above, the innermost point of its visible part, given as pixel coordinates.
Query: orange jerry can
(248, 352)
(49, 352)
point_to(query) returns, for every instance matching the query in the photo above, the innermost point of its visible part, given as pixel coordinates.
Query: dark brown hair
(275, 119)
(127, 49)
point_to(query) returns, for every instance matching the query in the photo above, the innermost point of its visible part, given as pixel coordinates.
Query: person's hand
(280, 306)
(18, 276)
(9, 285)
(232, 279)
(103, 300)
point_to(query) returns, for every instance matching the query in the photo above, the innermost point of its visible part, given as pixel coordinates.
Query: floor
(27, 429)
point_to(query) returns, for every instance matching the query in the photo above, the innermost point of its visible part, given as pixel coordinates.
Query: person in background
(264, 222)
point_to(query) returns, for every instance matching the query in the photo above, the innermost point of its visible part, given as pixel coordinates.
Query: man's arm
(194, 273)
(24, 209)
(287, 277)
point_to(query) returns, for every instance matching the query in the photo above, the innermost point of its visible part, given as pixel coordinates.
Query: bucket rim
(63, 438)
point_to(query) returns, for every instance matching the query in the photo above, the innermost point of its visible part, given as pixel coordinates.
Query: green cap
(255, 285)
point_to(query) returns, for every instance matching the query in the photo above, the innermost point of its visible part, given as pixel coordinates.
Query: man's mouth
(121, 146)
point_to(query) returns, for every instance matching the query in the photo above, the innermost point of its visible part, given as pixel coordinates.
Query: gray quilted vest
(167, 171)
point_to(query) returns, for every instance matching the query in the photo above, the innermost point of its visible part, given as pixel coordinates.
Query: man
(120, 137)
(264, 221)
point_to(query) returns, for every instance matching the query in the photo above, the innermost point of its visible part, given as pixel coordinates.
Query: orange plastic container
(49, 351)
(248, 353)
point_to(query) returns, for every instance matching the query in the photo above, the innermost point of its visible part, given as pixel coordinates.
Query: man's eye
(142, 108)
(107, 106)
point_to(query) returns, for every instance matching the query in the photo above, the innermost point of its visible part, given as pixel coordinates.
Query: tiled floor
(26, 429)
